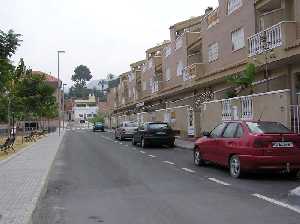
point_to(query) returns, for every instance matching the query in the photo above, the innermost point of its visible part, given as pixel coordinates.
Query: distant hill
(96, 84)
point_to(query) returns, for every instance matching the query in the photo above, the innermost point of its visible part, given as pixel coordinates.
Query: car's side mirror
(206, 134)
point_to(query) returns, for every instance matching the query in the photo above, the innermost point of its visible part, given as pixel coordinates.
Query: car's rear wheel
(235, 166)
(143, 143)
(133, 141)
(295, 174)
(171, 145)
(198, 161)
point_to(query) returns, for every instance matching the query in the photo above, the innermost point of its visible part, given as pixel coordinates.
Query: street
(96, 179)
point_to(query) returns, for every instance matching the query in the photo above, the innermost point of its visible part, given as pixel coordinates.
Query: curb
(44, 187)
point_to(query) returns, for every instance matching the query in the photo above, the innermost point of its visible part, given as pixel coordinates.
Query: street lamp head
(61, 52)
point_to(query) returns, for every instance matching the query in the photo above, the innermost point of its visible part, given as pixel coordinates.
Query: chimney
(208, 10)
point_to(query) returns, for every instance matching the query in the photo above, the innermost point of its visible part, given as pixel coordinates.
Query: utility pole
(58, 91)
(63, 107)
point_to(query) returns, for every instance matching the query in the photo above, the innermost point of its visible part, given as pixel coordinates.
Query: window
(144, 85)
(179, 42)
(213, 52)
(230, 130)
(158, 126)
(233, 5)
(168, 51)
(239, 132)
(130, 124)
(267, 127)
(168, 74)
(179, 68)
(238, 39)
(217, 132)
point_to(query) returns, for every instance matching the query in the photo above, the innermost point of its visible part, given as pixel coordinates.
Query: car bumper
(157, 140)
(127, 135)
(270, 162)
(98, 129)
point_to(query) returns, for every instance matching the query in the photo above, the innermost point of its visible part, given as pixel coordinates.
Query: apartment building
(184, 81)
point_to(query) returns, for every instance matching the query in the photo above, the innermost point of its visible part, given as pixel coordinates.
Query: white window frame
(179, 42)
(233, 5)
(213, 52)
(144, 85)
(168, 74)
(238, 39)
(168, 51)
(180, 68)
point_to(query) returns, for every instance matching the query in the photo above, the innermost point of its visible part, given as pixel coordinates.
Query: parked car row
(147, 134)
(241, 146)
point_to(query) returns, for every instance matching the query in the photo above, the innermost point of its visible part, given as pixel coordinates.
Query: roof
(187, 23)
(48, 77)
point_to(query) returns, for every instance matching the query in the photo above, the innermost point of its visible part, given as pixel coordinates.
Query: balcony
(196, 70)
(280, 35)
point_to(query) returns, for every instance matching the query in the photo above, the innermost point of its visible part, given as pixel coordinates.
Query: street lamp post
(58, 90)
(63, 107)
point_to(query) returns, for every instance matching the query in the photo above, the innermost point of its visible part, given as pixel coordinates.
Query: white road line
(115, 141)
(219, 181)
(143, 152)
(188, 170)
(168, 162)
(278, 203)
(152, 156)
(127, 145)
(120, 143)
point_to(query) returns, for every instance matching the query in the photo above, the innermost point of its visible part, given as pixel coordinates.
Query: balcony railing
(193, 71)
(266, 40)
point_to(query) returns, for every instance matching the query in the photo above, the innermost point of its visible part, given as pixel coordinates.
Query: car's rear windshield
(131, 124)
(158, 126)
(263, 127)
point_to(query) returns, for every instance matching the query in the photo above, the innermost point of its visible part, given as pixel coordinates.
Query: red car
(249, 146)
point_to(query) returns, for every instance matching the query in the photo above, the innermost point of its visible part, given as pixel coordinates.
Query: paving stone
(23, 178)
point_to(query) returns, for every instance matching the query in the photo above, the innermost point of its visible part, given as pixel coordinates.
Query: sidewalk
(23, 179)
(185, 143)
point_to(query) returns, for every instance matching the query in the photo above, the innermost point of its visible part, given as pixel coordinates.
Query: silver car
(126, 130)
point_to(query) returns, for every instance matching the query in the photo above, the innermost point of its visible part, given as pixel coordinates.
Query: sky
(107, 36)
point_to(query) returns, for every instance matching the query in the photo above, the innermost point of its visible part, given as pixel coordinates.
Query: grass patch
(18, 147)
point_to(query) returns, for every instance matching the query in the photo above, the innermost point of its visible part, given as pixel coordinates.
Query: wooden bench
(8, 145)
(30, 137)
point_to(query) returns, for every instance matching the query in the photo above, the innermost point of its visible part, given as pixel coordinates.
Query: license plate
(160, 133)
(282, 144)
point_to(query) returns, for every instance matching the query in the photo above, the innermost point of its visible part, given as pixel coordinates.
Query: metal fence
(295, 118)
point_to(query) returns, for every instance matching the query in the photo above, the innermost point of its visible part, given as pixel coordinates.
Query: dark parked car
(154, 133)
(98, 127)
(250, 146)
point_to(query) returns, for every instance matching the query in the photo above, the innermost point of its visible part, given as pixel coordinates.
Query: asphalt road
(96, 179)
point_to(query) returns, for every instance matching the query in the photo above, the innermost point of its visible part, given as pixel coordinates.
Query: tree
(110, 76)
(242, 81)
(9, 43)
(82, 74)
